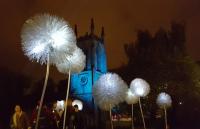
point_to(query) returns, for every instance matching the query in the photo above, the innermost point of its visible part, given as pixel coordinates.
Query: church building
(96, 65)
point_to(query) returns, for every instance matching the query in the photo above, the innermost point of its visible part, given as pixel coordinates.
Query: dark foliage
(161, 59)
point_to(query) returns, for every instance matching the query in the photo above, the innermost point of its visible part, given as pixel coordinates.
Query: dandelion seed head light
(164, 100)
(79, 103)
(46, 36)
(140, 87)
(109, 90)
(74, 62)
(131, 98)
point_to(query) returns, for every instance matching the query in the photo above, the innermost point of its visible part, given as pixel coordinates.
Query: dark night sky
(121, 19)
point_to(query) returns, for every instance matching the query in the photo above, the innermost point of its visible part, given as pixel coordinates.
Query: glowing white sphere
(74, 62)
(131, 98)
(60, 105)
(140, 87)
(79, 103)
(109, 90)
(46, 36)
(164, 100)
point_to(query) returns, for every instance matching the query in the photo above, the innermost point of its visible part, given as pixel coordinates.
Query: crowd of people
(50, 118)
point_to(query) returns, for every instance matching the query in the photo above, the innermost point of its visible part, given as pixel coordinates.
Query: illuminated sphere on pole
(131, 98)
(109, 90)
(164, 100)
(74, 62)
(140, 87)
(46, 36)
(79, 103)
(60, 105)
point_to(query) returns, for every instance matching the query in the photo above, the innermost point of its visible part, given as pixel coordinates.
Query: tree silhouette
(161, 59)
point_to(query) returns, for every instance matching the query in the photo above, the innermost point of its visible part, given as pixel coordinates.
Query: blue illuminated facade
(96, 65)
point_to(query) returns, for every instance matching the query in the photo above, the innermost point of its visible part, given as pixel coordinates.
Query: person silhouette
(19, 119)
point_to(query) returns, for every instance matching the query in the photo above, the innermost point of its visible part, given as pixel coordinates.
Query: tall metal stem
(43, 93)
(111, 123)
(142, 114)
(165, 117)
(66, 99)
(132, 116)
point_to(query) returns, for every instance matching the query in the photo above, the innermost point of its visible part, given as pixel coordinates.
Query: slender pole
(132, 116)
(165, 117)
(142, 113)
(43, 93)
(65, 113)
(111, 118)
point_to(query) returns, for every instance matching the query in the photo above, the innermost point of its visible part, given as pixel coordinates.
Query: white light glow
(139, 91)
(164, 100)
(79, 103)
(60, 105)
(76, 62)
(140, 87)
(46, 36)
(38, 49)
(58, 39)
(131, 98)
(109, 90)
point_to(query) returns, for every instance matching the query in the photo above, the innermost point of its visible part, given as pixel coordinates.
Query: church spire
(92, 26)
(102, 33)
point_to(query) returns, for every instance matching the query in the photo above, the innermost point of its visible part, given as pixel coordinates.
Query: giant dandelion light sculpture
(74, 63)
(141, 89)
(79, 103)
(131, 98)
(47, 39)
(164, 101)
(108, 91)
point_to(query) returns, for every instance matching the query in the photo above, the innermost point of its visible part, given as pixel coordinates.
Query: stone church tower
(96, 64)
